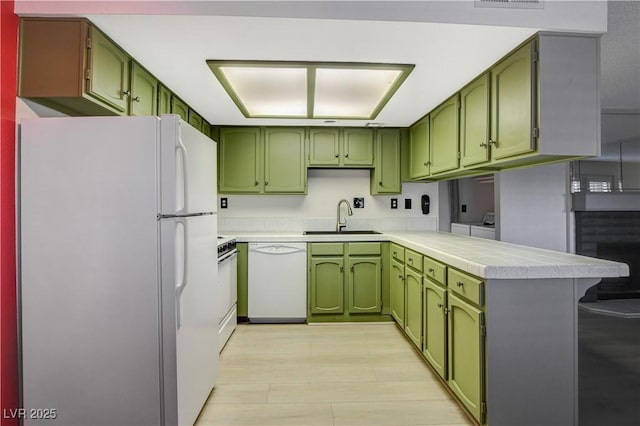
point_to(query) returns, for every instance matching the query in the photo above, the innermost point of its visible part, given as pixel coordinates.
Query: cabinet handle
(380, 183)
(460, 284)
(395, 253)
(256, 184)
(410, 260)
(351, 269)
(346, 155)
(341, 269)
(266, 183)
(427, 163)
(483, 144)
(431, 270)
(401, 277)
(440, 305)
(136, 99)
(337, 155)
(492, 142)
(126, 93)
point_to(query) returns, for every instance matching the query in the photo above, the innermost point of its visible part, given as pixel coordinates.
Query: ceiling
(449, 42)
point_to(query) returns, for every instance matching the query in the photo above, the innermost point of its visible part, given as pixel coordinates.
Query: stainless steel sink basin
(341, 232)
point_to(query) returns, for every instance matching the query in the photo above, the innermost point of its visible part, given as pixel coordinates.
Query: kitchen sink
(341, 232)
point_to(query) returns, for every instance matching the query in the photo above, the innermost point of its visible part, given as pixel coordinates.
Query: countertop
(481, 257)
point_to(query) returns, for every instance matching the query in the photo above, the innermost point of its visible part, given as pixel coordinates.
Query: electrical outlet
(394, 203)
(463, 208)
(407, 203)
(223, 203)
(358, 202)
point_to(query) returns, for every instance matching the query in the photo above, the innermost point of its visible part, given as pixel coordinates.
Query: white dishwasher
(277, 282)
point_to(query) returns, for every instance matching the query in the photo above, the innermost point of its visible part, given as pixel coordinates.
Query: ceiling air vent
(511, 4)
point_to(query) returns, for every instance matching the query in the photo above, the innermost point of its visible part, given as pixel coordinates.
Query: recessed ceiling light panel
(309, 90)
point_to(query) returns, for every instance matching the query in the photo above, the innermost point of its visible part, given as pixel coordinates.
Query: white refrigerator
(117, 252)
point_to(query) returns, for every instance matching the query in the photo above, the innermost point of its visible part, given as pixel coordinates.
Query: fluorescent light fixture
(270, 89)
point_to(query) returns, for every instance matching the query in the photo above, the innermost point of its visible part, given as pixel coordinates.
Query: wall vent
(511, 4)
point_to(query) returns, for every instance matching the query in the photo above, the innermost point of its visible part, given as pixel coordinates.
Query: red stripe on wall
(8, 312)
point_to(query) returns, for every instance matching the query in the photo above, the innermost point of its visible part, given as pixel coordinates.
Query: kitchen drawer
(326, 249)
(435, 270)
(397, 252)
(467, 286)
(365, 249)
(413, 259)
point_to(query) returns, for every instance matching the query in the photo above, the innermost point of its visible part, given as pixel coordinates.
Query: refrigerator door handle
(185, 176)
(182, 280)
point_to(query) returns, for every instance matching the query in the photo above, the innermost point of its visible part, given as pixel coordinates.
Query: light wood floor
(345, 374)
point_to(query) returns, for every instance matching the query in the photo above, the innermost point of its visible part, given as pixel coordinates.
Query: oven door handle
(227, 256)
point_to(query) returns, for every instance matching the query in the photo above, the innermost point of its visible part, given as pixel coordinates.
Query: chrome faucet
(339, 223)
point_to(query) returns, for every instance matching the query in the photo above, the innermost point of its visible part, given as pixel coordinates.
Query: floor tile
(266, 415)
(234, 393)
(398, 413)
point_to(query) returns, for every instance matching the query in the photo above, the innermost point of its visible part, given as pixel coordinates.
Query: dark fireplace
(612, 236)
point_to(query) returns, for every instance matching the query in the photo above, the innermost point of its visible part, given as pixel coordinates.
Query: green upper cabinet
(443, 136)
(466, 354)
(435, 326)
(284, 160)
(334, 147)
(240, 160)
(180, 108)
(144, 91)
(365, 284)
(474, 122)
(513, 104)
(419, 154)
(397, 291)
(324, 147)
(206, 128)
(385, 177)
(195, 119)
(164, 100)
(357, 147)
(326, 285)
(108, 72)
(413, 306)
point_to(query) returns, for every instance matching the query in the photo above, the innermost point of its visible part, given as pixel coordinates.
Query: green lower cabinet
(326, 285)
(243, 279)
(413, 306)
(435, 326)
(397, 291)
(364, 285)
(466, 354)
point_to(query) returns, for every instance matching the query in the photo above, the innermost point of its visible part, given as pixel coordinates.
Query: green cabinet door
(144, 91)
(180, 108)
(385, 177)
(326, 285)
(324, 147)
(443, 136)
(357, 149)
(466, 354)
(397, 291)
(513, 104)
(474, 122)
(164, 100)
(108, 72)
(206, 128)
(195, 119)
(419, 159)
(435, 326)
(284, 161)
(365, 285)
(240, 160)
(413, 306)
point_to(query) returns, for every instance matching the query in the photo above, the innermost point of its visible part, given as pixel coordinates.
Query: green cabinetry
(413, 297)
(397, 291)
(419, 153)
(195, 119)
(107, 72)
(385, 176)
(474, 121)
(254, 160)
(435, 326)
(443, 136)
(340, 147)
(178, 106)
(144, 91)
(284, 160)
(240, 160)
(164, 100)
(345, 282)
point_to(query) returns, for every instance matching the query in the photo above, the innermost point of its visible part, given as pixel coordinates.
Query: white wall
(317, 209)
(532, 207)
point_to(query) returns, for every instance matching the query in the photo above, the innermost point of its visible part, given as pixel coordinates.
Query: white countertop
(481, 257)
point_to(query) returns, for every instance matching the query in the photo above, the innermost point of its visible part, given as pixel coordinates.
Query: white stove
(227, 288)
